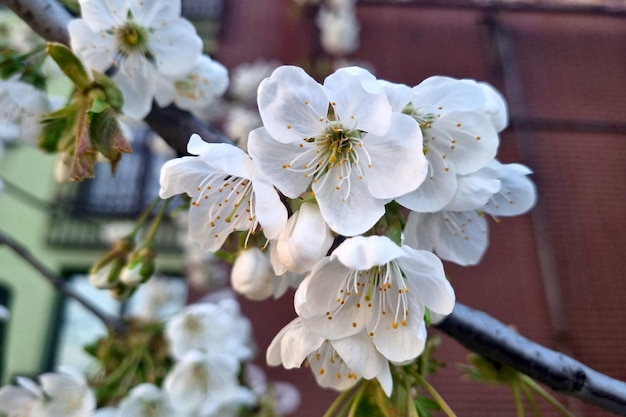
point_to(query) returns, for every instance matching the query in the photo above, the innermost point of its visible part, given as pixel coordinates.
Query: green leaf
(58, 129)
(69, 64)
(105, 133)
(425, 406)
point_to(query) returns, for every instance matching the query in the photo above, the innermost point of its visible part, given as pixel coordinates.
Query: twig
(112, 323)
(489, 337)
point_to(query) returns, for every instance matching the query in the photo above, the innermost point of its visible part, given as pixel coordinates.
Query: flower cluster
(359, 187)
(208, 343)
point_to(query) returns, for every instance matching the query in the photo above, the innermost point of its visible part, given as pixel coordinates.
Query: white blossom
(459, 137)
(371, 285)
(336, 364)
(21, 106)
(339, 30)
(339, 139)
(146, 400)
(197, 89)
(459, 233)
(216, 328)
(140, 40)
(227, 193)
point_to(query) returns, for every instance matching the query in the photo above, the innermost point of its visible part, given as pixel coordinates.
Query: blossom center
(132, 38)
(333, 151)
(382, 289)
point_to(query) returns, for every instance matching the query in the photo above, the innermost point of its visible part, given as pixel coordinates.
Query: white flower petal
(155, 13)
(446, 94)
(305, 240)
(103, 15)
(137, 80)
(292, 345)
(97, 50)
(399, 95)
(293, 105)
(401, 147)
(360, 354)
(362, 253)
(517, 193)
(271, 158)
(425, 275)
(251, 275)
(358, 98)
(268, 208)
(473, 191)
(437, 189)
(330, 370)
(351, 209)
(398, 341)
(467, 139)
(165, 44)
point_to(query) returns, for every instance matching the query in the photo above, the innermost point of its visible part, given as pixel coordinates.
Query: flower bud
(140, 267)
(105, 273)
(251, 275)
(305, 239)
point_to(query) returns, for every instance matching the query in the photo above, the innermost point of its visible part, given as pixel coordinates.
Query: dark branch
(487, 336)
(46, 17)
(476, 330)
(112, 323)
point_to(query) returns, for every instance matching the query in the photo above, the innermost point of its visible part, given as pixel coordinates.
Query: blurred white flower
(196, 90)
(146, 400)
(239, 122)
(140, 40)
(21, 106)
(24, 400)
(339, 30)
(200, 382)
(246, 78)
(216, 328)
(68, 394)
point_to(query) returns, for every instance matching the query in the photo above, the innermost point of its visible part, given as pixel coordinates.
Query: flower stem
(338, 402)
(519, 406)
(356, 400)
(156, 222)
(143, 217)
(531, 399)
(434, 394)
(546, 395)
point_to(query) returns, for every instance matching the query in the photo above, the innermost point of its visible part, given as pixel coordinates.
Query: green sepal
(113, 95)
(69, 64)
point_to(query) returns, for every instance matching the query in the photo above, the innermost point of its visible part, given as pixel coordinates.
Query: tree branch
(489, 337)
(476, 330)
(112, 323)
(46, 17)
